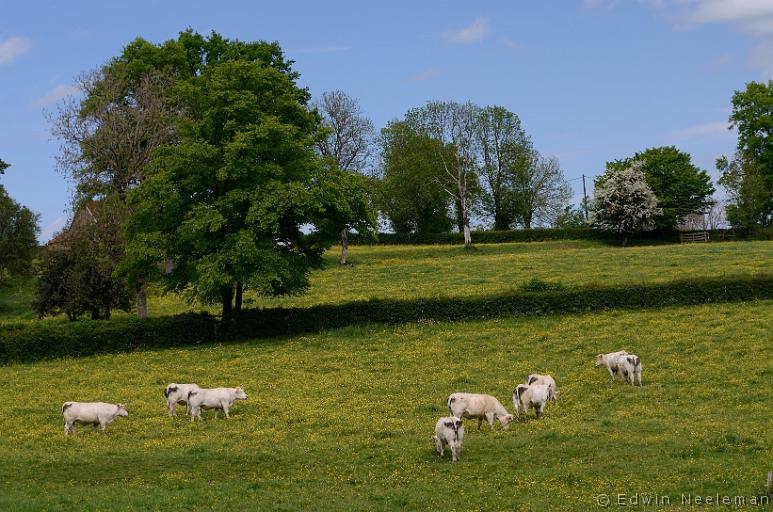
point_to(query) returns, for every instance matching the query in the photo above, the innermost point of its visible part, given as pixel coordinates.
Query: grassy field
(406, 272)
(342, 420)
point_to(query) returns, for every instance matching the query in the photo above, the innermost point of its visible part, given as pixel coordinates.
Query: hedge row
(546, 234)
(33, 341)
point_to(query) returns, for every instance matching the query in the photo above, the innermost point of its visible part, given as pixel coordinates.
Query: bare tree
(108, 138)
(712, 218)
(456, 126)
(540, 190)
(348, 140)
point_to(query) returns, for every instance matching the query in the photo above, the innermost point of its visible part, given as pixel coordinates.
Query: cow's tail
(65, 406)
(451, 399)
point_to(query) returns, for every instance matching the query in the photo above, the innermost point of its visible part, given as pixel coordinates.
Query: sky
(591, 80)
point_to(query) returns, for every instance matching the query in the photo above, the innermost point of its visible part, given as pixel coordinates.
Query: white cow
(535, 396)
(473, 405)
(611, 361)
(630, 367)
(178, 394)
(449, 431)
(548, 380)
(90, 413)
(215, 398)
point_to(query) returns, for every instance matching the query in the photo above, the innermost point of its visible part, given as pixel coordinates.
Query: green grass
(408, 272)
(342, 420)
(15, 299)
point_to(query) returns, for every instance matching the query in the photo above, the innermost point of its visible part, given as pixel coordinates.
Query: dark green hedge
(44, 340)
(32, 341)
(546, 234)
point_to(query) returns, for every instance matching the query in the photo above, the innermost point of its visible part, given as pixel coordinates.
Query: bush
(32, 341)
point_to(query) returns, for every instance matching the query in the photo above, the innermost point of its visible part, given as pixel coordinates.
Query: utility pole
(584, 198)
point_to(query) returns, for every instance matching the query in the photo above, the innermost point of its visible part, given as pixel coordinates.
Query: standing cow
(90, 413)
(178, 394)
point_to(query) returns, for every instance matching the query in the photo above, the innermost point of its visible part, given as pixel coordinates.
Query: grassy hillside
(342, 420)
(406, 272)
(430, 271)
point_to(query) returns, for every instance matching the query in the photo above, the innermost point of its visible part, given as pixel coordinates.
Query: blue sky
(592, 80)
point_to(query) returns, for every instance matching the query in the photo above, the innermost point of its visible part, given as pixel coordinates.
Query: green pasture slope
(342, 419)
(408, 272)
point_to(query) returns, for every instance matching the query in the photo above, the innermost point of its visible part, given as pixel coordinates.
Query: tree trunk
(625, 240)
(344, 246)
(238, 299)
(527, 219)
(459, 215)
(465, 223)
(142, 301)
(227, 296)
(500, 220)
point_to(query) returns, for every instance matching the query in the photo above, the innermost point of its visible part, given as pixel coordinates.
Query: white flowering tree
(623, 203)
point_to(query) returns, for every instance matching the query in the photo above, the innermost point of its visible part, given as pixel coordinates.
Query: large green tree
(748, 178)
(505, 151)
(409, 193)
(680, 187)
(227, 201)
(129, 108)
(18, 234)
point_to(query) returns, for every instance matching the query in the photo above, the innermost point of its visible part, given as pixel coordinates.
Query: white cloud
(510, 43)
(704, 130)
(12, 48)
(761, 57)
(472, 34)
(427, 74)
(57, 93)
(754, 16)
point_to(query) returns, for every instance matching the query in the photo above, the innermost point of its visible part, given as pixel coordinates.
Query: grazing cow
(610, 361)
(535, 396)
(178, 394)
(630, 367)
(90, 413)
(472, 405)
(536, 378)
(449, 431)
(215, 398)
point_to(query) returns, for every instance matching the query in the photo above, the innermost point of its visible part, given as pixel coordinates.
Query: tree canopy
(679, 186)
(410, 193)
(748, 178)
(227, 202)
(18, 235)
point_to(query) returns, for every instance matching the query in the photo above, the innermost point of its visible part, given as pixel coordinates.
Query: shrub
(32, 341)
